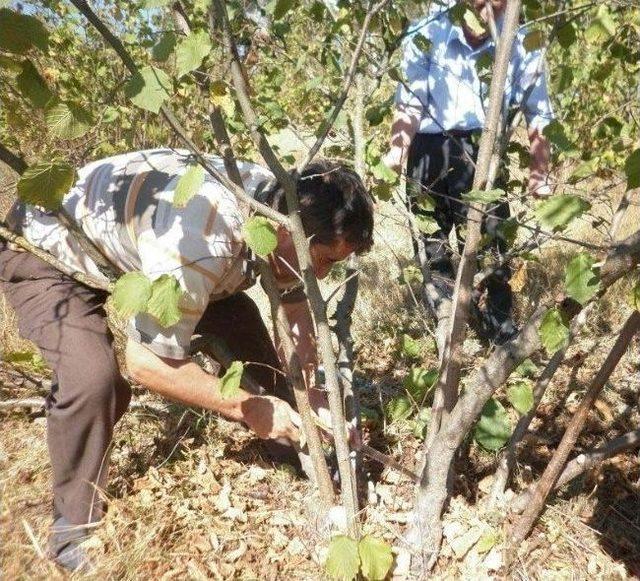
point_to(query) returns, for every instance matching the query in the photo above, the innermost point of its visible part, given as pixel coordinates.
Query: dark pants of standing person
(442, 166)
(67, 321)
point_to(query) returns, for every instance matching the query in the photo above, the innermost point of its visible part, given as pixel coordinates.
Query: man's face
(324, 256)
(481, 6)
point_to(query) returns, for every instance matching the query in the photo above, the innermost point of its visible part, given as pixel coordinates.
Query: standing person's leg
(68, 323)
(427, 174)
(499, 293)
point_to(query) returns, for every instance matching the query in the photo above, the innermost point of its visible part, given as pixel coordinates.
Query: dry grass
(192, 497)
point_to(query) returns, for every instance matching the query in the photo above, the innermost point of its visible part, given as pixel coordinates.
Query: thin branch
(301, 245)
(547, 481)
(15, 162)
(346, 86)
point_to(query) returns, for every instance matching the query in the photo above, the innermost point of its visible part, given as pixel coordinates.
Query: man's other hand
(271, 418)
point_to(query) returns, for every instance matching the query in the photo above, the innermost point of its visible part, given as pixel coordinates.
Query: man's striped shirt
(124, 205)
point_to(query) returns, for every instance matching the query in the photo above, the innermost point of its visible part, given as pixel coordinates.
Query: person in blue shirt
(440, 112)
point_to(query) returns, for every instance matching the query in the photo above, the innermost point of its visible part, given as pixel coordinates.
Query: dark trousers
(442, 166)
(89, 395)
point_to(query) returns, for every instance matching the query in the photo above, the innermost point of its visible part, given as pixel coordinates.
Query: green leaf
(165, 298)
(376, 558)
(411, 274)
(483, 196)
(20, 32)
(230, 381)
(282, 7)
(632, 169)
(602, 26)
(68, 121)
(554, 332)
(398, 408)
(527, 369)
(32, 86)
(566, 35)
(260, 235)
(556, 134)
(634, 296)
(520, 396)
(383, 191)
(422, 42)
(426, 224)
(162, 50)
(46, 184)
(383, 172)
(487, 541)
(419, 381)
(534, 40)
(558, 211)
(188, 185)
(148, 89)
(582, 280)
(343, 559)
(148, 4)
(191, 51)
(131, 294)
(425, 202)
(493, 430)
(410, 347)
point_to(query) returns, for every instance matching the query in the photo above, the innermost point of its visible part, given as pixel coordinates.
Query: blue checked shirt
(444, 83)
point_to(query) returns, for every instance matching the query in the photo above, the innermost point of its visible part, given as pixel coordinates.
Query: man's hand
(320, 404)
(393, 158)
(271, 418)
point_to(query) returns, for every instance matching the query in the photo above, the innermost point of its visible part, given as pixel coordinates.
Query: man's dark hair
(333, 203)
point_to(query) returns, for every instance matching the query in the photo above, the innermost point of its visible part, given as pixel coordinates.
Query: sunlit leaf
(188, 185)
(483, 196)
(602, 26)
(156, 3)
(559, 211)
(410, 347)
(231, 380)
(426, 224)
(398, 408)
(149, 89)
(493, 429)
(634, 296)
(527, 369)
(260, 235)
(487, 541)
(375, 558)
(557, 135)
(343, 559)
(520, 396)
(554, 331)
(21, 32)
(582, 280)
(191, 51)
(46, 184)
(419, 381)
(68, 121)
(165, 298)
(131, 294)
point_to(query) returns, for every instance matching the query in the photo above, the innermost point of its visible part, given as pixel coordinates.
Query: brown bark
(547, 481)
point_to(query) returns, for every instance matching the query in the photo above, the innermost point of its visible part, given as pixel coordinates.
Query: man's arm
(406, 121)
(540, 153)
(184, 381)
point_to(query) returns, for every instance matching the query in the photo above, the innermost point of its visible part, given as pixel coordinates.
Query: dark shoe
(505, 332)
(65, 545)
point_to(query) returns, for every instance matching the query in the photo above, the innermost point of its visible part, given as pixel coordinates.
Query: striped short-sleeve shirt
(124, 205)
